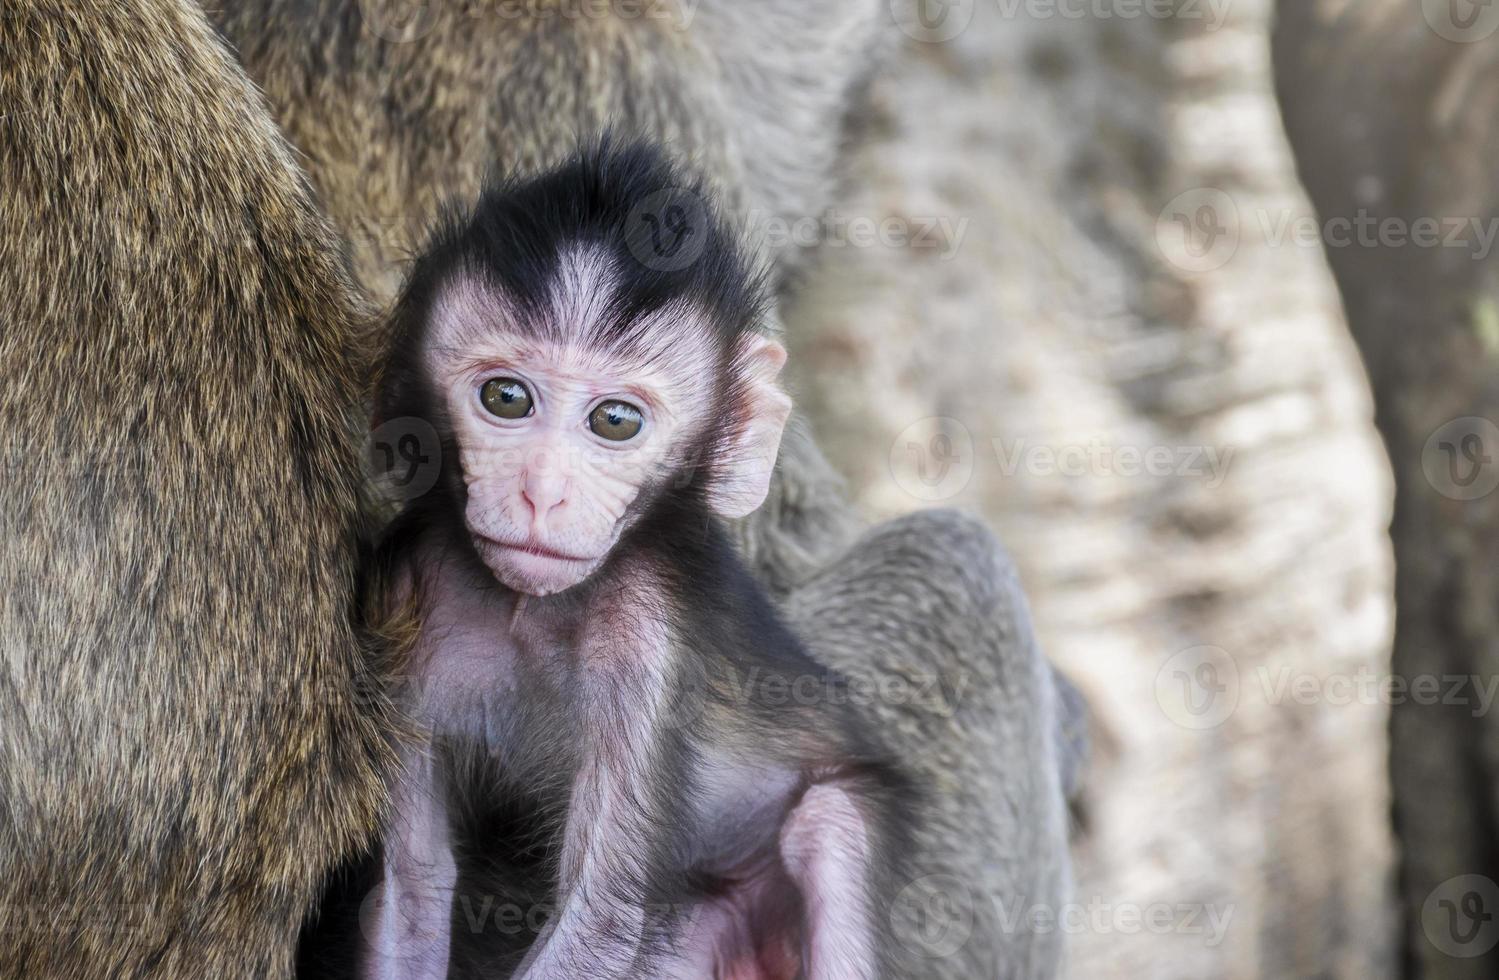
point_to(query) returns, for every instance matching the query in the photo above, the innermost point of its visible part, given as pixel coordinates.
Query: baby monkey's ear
(742, 478)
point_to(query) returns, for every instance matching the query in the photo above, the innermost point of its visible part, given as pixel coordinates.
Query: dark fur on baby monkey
(606, 692)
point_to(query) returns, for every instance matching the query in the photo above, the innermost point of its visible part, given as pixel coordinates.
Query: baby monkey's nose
(544, 489)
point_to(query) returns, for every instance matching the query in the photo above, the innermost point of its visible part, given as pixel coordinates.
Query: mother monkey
(189, 735)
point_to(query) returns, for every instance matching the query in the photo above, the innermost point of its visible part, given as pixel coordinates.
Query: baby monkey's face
(563, 425)
(559, 437)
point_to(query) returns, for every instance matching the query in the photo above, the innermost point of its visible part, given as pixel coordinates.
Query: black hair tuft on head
(657, 227)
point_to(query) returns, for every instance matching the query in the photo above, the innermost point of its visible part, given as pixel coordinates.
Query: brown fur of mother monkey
(403, 106)
(190, 731)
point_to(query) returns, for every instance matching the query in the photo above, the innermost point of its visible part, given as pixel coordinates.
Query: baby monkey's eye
(616, 421)
(506, 398)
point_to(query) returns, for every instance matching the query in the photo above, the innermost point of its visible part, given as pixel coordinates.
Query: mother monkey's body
(181, 683)
(602, 410)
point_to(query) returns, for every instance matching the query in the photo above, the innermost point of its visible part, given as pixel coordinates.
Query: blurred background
(1195, 301)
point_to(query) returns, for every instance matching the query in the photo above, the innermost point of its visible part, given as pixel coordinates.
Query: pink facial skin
(547, 497)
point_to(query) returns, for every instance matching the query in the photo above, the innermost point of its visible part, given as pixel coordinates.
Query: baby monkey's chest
(588, 745)
(531, 686)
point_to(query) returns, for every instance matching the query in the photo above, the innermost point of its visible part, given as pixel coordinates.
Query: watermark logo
(1364, 229)
(939, 235)
(485, 913)
(1098, 458)
(1199, 231)
(119, 920)
(1102, 917)
(404, 457)
(669, 230)
(1476, 692)
(933, 915)
(1198, 688)
(1461, 459)
(933, 21)
(1210, 14)
(400, 21)
(382, 234)
(1203, 229)
(406, 921)
(932, 459)
(1461, 916)
(1463, 21)
(689, 697)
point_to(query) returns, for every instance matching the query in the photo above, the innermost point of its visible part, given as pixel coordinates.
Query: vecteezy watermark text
(1201, 687)
(1098, 458)
(942, 235)
(935, 915)
(1202, 229)
(934, 459)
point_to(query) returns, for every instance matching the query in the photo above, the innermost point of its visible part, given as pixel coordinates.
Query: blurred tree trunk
(1098, 286)
(1393, 110)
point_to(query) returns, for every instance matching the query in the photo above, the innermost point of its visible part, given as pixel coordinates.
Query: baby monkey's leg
(826, 846)
(611, 832)
(408, 935)
(808, 919)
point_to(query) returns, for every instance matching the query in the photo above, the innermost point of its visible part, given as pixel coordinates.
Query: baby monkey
(589, 641)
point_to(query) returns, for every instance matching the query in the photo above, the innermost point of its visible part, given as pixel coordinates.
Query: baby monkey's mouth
(533, 549)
